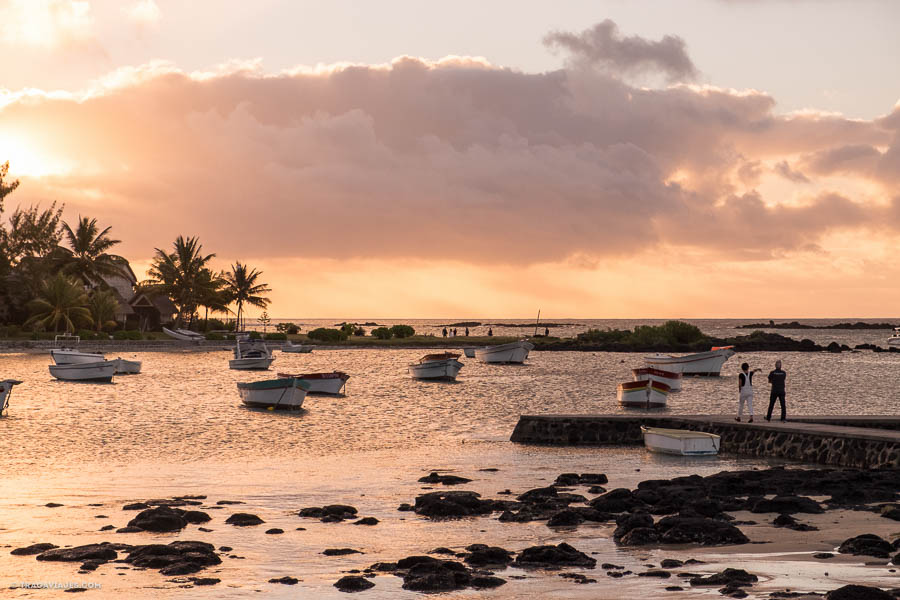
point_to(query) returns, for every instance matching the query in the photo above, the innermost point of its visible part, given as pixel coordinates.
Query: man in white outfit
(745, 391)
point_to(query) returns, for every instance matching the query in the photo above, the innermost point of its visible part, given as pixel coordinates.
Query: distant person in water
(445, 332)
(490, 332)
(546, 332)
(467, 332)
(776, 380)
(745, 391)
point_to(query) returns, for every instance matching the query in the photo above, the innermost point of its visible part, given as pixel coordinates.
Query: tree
(6, 188)
(103, 306)
(243, 288)
(33, 234)
(87, 257)
(211, 293)
(61, 301)
(180, 274)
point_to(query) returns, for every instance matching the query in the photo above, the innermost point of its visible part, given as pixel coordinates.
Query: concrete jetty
(864, 442)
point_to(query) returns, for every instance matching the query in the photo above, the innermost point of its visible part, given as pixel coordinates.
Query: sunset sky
(627, 158)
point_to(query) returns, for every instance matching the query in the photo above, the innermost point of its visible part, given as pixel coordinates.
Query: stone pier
(863, 442)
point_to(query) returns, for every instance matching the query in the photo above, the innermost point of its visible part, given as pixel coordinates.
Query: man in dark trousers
(776, 380)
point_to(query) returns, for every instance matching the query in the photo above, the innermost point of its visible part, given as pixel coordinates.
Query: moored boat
(511, 353)
(184, 335)
(894, 340)
(284, 393)
(67, 356)
(673, 380)
(251, 355)
(6, 387)
(127, 367)
(469, 352)
(101, 370)
(297, 348)
(700, 364)
(680, 441)
(643, 393)
(322, 383)
(442, 366)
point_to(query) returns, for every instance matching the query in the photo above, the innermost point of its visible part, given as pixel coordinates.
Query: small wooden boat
(673, 380)
(642, 394)
(184, 335)
(442, 366)
(297, 348)
(285, 393)
(680, 441)
(894, 340)
(511, 353)
(127, 367)
(66, 354)
(101, 370)
(701, 364)
(251, 355)
(6, 387)
(469, 352)
(322, 383)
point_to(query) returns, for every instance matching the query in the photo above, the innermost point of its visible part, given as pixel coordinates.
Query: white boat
(297, 348)
(673, 380)
(285, 393)
(469, 352)
(680, 441)
(322, 383)
(513, 352)
(102, 370)
(894, 340)
(643, 393)
(127, 367)
(703, 363)
(185, 335)
(6, 387)
(251, 355)
(66, 354)
(444, 366)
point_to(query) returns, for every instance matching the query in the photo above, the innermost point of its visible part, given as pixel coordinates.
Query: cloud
(784, 169)
(47, 23)
(144, 13)
(604, 47)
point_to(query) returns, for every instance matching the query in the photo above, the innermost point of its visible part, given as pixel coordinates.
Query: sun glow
(26, 159)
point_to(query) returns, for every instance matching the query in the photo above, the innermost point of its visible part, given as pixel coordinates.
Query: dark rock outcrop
(160, 519)
(104, 551)
(787, 505)
(859, 592)
(33, 549)
(728, 577)
(333, 513)
(698, 530)
(176, 558)
(455, 504)
(562, 555)
(286, 580)
(867, 544)
(436, 478)
(481, 555)
(340, 551)
(244, 520)
(353, 583)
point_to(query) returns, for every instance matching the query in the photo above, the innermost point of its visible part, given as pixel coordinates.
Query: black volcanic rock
(616, 501)
(340, 551)
(160, 519)
(698, 530)
(454, 504)
(787, 505)
(33, 549)
(859, 592)
(481, 555)
(728, 577)
(353, 583)
(244, 520)
(102, 551)
(435, 478)
(867, 544)
(562, 555)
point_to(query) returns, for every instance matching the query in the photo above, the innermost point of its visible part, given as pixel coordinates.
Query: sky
(694, 159)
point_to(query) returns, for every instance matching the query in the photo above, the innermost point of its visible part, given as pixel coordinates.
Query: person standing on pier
(745, 391)
(776, 380)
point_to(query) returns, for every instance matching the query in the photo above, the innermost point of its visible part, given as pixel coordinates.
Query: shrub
(327, 335)
(216, 337)
(86, 334)
(120, 335)
(359, 331)
(382, 333)
(288, 328)
(402, 331)
(276, 336)
(347, 329)
(681, 332)
(255, 335)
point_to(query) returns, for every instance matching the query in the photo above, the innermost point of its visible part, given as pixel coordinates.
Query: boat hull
(183, 335)
(74, 357)
(445, 370)
(642, 394)
(331, 384)
(512, 353)
(127, 367)
(299, 349)
(893, 341)
(6, 387)
(276, 394)
(469, 352)
(250, 364)
(673, 380)
(703, 364)
(100, 371)
(680, 442)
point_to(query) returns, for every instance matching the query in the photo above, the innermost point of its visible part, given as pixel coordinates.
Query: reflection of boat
(184, 335)
(437, 366)
(101, 370)
(285, 393)
(894, 340)
(643, 393)
(6, 387)
(703, 363)
(297, 348)
(322, 383)
(470, 352)
(251, 355)
(127, 367)
(673, 380)
(680, 441)
(513, 352)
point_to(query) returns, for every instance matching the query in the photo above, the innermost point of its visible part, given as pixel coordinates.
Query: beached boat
(673, 380)
(680, 441)
(322, 383)
(894, 340)
(101, 370)
(700, 364)
(469, 352)
(184, 335)
(442, 366)
(297, 348)
(251, 355)
(127, 367)
(285, 393)
(513, 352)
(643, 393)
(6, 387)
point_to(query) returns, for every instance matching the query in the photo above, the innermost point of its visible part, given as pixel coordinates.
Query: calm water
(178, 428)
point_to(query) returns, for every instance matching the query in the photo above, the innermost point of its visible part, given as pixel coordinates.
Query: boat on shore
(321, 383)
(297, 348)
(703, 364)
(643, 393)
(683, 442)
(442, 366)
(894, 340)
(673, 380)
(99, 371)
(511, 353)
(284, 393)
(251, 355)
(6, 387)
(127, 367)
(185, 335)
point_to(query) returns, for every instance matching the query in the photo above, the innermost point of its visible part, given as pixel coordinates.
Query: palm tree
(88, 258)
(180, 274)
(243, 288)
(62, 300)
(103, 306)
(212, 294)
